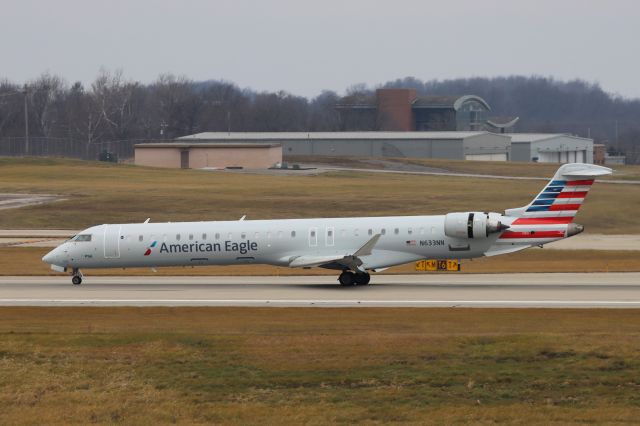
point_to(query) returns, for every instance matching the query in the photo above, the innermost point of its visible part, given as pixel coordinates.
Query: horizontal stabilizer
(583, 170)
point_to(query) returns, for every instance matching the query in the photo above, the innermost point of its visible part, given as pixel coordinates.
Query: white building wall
(563, 149)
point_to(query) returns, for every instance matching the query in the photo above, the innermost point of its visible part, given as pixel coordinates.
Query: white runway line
(337, 303)
(543, 290)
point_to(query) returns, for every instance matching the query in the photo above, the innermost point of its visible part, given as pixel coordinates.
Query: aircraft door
(112, 241)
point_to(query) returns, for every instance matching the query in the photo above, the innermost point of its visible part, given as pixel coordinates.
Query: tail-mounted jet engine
(473, 224)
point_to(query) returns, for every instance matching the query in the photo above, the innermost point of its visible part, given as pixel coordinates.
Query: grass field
(104, 193)
(27, 261)
(498, 168)
(318, 366)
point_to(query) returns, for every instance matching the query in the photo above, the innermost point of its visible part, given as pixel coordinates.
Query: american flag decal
(411, 242)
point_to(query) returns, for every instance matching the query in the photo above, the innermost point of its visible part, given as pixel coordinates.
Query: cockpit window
(82, 237)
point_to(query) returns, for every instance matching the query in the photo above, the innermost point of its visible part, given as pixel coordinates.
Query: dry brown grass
(318, 366)
(27, 261)
(498, 168)
(103, 193)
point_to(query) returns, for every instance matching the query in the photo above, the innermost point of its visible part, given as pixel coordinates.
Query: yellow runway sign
(430, 265)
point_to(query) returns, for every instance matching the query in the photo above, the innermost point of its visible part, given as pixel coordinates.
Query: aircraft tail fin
(561, 198)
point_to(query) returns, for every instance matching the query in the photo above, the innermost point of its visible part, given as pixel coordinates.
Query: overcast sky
(304, 46)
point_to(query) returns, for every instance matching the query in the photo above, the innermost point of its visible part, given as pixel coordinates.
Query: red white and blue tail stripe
(549, 215)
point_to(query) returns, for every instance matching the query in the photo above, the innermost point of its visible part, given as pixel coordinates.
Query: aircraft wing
(351, 261)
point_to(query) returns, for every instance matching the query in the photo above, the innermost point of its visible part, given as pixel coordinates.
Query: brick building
(403, 110)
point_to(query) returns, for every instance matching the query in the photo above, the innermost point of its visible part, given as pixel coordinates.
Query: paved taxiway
(620, 290)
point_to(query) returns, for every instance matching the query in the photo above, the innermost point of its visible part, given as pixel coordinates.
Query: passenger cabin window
(204, 236)
(383, 231)
(217, 236)
(396, 231)
(140, 238)
(177, 237)
(82, 238)
(370, 231)
(243, 235)
(293, 234)
(191, 236)
(330, 233)
(409, 231)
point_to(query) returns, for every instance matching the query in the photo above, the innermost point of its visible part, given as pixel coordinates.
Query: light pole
(26, 122)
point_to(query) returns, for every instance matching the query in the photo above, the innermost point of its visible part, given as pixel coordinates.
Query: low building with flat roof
(199, 155)
(550, 148)
(447, 145)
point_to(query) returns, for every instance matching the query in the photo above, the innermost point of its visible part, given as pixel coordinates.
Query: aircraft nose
(49, 257)
(54, 257)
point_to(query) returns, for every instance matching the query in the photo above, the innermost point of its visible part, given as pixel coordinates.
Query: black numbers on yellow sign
(438, 265)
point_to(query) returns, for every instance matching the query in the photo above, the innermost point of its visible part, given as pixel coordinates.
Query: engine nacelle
(472, 224)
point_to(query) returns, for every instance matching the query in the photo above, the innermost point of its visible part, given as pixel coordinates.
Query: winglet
(366, 249)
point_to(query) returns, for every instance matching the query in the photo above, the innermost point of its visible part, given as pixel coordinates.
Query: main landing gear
(77, 277)
(348, 278)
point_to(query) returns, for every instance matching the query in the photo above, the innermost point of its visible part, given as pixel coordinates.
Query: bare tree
(46, 103)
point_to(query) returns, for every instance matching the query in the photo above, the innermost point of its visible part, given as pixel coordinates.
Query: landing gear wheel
(77, 276)
(347, 278)
(363, 279)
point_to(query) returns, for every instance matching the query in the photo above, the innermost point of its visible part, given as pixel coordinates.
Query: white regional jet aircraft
(353, 246)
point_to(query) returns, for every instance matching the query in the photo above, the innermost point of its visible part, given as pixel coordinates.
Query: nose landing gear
(348, 278)
(77, 277)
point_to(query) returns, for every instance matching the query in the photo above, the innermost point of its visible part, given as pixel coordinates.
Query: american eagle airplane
(355, 246)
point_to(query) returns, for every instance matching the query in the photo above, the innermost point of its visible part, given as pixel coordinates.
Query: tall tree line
(114, 108)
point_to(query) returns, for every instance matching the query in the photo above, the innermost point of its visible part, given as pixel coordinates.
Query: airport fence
(118, 150)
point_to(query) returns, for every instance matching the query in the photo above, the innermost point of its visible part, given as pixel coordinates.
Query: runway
(544, 290)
